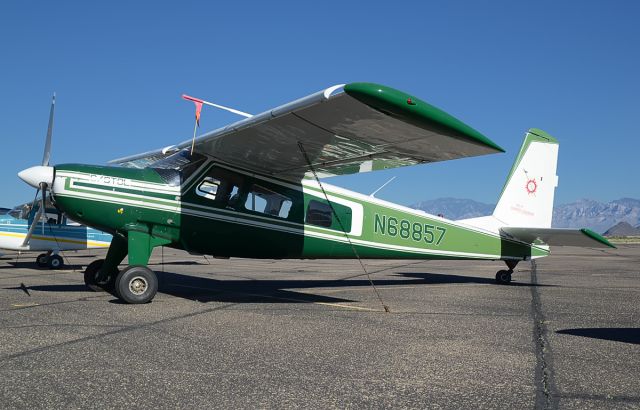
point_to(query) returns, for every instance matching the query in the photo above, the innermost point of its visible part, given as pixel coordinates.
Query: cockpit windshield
(24, 211)
(20, 211)
(177, 167)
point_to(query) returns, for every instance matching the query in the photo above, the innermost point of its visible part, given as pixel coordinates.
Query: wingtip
(414, 110)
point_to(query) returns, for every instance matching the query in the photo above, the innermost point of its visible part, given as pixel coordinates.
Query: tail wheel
(503, 277)
(90, 278)
(136, 284)
(42, 260)
(55, 262)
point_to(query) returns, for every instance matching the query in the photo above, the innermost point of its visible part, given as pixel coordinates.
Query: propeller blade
(47, 144)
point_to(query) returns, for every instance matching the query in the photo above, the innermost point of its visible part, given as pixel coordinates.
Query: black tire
(55, 262)
(136, 285)
(503, 277)
(42, 260)
(90, 276)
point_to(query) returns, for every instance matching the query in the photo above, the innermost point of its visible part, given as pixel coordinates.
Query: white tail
(527, 196)
(525, 207)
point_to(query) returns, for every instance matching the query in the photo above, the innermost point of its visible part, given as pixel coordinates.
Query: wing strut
(344, 231)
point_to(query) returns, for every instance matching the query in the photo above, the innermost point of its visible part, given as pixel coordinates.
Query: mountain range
(622, 229)
(584, 213)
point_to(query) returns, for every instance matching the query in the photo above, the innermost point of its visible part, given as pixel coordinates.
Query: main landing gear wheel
(90, 278)
(55, 262)
(42, 260)
(503, 277)
(136, 284)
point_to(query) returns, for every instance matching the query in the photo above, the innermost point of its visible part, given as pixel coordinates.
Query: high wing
(344, 129)
(558, 237)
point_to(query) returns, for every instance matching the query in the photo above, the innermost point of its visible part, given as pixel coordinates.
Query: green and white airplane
(252, 189)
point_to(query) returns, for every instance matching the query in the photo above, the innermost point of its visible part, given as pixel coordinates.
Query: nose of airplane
(34, 176)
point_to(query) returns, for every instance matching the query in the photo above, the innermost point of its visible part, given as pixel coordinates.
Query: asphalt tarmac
(289, 334)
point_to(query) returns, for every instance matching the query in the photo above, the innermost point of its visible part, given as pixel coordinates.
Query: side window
(319, 213)
(208, 188)
(222, 188)
(266, 201)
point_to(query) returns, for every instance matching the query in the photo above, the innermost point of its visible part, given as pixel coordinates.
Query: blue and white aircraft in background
(25, 229)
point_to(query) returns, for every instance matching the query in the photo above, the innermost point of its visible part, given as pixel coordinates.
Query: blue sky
(119, 68)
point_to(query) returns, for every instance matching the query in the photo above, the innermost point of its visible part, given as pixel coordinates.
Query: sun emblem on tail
(531, 186)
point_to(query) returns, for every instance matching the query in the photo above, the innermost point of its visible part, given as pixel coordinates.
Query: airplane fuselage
(227, 212)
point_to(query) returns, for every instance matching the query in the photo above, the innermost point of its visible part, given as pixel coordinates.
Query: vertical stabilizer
(527, 196)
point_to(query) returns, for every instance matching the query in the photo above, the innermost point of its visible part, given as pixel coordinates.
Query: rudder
(527, 196)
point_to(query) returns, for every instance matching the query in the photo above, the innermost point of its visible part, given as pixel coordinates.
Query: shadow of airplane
(204, 289)
(616, 334)
(28, 264)
(441, 278)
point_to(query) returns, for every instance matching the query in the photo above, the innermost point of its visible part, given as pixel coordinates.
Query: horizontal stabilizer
(558, 236)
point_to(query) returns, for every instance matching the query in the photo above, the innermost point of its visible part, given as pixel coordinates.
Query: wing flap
(558, 237)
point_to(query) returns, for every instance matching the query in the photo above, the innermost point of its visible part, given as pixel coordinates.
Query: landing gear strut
(503, 277)
(136, 283)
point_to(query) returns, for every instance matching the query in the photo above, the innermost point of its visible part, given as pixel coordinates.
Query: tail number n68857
(417, 231)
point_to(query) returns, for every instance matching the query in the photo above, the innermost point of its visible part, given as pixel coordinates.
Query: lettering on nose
(109, 180)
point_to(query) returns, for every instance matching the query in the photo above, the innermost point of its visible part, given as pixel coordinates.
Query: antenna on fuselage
(373, 194)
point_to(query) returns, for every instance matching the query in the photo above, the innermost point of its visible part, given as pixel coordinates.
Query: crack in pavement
(546, 397)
